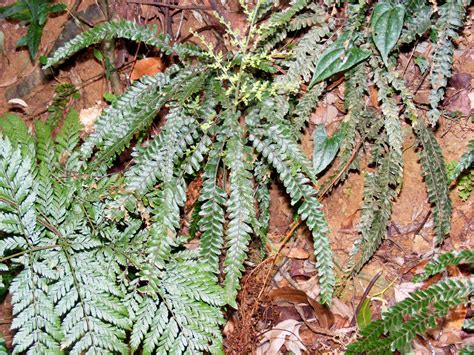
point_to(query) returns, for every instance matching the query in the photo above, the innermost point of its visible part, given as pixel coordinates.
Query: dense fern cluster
(103, 257)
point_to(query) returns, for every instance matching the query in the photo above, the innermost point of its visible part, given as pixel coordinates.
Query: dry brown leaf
(294, 296)
(284, 333)
(297, 253)
(403, 290)
(147, 66)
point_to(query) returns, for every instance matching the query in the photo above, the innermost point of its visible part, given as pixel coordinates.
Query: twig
(170, 6)
(422, 224)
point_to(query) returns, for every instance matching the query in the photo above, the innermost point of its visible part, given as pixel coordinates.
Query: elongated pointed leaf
(386, 23)
(338, 57)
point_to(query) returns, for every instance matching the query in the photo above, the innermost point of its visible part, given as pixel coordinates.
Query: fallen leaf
(460, 80)
(294, 296)
(297, 253)
(147, 66)
(403, 290)
(18, 102)
(460, 102)
(284, 333)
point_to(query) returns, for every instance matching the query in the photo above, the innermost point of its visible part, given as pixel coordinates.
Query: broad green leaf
(325, 148)
(386, 23)
(338, 57)
(364, 317)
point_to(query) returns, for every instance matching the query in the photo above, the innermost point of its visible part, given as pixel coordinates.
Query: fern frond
(211, 223)
(282, 137)
(166, 216)
(422, 306)
(305, 54)
(306, 105)
(297, 186)
(307, 19)
(121, 29)
(184, 317)
(36, 322)
(379, 194)
(17, 132)
(95, 320)
(156, 161)
(131, 113)
(278, 21)
(434, 171)
(466, 161)
(441, 262)
(417, 20)
(68, 136)
(262, 176)
(451, 18)
(240, 208)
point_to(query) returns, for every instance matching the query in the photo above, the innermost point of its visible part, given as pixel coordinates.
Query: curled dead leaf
(294, 296)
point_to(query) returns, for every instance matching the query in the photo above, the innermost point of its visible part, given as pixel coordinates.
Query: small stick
(170, 6)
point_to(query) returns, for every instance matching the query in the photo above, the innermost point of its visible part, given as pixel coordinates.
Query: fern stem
(32, 250)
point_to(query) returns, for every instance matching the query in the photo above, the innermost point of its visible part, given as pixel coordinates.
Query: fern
(104, 261)
(241, 212)
(450, 20)
(442, 261)
(120, 29)
(436, 180)
(465, 162)
(422, 306)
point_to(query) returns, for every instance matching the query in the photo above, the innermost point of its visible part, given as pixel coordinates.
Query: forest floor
(273, 291)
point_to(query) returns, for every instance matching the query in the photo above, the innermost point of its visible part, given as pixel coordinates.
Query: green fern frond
(441, 262)
(379, 194)
(417, 20)
(434, 171)
(131, 113)
(296, 184)
(17, 132)
(278, 20)
(422, 306)
(466, 161)
(262, 176)
(306, 105)
(451, 18)
(121, 29)
(305, 54)
(166, 207)
(240, 208)
(184, 316)
(282, 137)
(211, 222)
(36, 322)
(307, 19)
(156, 161)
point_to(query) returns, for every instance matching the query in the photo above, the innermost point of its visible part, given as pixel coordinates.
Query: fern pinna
(104, 265)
